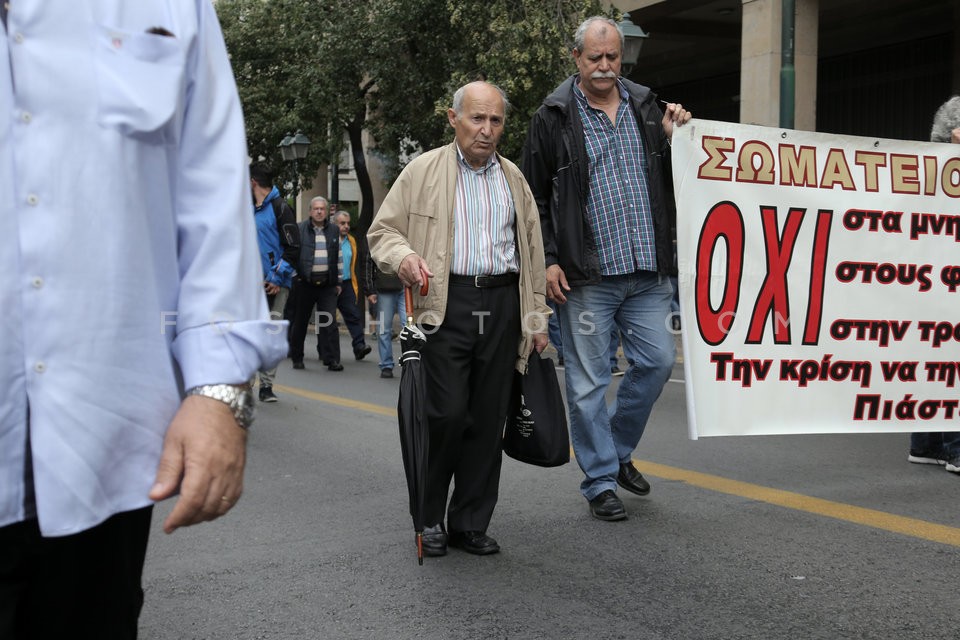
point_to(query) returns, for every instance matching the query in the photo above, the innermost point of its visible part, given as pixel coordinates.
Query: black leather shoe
(631, 480)
(362, 352)
(607, 506)
(434, 541)
(335, 366)
(476, 542)
(298, 364)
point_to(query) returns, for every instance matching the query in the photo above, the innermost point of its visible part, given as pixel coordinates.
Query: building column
(760, 63)
(806, 34)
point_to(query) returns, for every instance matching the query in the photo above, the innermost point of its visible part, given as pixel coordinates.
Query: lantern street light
(293, 148)
(633, 37)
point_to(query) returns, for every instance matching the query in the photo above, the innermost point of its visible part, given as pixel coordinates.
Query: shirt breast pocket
(140, 79)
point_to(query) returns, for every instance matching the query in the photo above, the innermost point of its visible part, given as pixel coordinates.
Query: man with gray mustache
(597, 161)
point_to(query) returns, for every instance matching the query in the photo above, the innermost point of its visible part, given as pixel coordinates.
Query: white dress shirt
(128, 259)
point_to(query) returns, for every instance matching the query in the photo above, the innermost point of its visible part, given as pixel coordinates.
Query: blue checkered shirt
(618, 206)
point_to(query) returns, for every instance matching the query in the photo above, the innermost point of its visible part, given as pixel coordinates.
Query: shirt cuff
(229, 352)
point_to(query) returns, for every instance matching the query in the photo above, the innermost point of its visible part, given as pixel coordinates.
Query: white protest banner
(819, 281)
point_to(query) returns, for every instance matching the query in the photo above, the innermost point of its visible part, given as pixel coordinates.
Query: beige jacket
(417, 217)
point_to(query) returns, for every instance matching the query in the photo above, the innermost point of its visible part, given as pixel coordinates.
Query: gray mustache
(599, 75)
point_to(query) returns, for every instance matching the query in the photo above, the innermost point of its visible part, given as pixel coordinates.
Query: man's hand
(372, 298)
(204, 453)
(271, 289)
(540, 342)
(410, 271)
(674, 114)
(556, 284)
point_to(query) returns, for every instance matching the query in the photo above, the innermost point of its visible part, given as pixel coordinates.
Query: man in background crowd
(348, 300)
(279, 242)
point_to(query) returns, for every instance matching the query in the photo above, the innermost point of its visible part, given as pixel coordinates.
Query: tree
(334, 68)
(525, 49)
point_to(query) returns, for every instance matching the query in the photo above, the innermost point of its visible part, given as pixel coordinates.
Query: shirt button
(18, 38)
(32, 199)
(37, 283)
(40, 367)
(26, 117)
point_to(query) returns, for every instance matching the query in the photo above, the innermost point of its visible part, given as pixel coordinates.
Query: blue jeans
(388, 303)
(638, 304)
(947, 442)
(614, 345)
(553, 329)
(555, 337)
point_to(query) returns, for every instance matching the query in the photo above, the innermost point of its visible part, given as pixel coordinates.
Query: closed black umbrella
(411, 412)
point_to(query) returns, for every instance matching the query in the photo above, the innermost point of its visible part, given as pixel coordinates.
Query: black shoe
(386, 373)
(434, 541)
(298, 364)
(631, 480)
(267, 394)
(607, 506)
(362, 352)
(476, 542)
(335, 366)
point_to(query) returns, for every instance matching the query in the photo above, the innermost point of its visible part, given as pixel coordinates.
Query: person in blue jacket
(279, 242)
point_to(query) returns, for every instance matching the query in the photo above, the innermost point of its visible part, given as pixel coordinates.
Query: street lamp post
(292, 149)
(633, 37)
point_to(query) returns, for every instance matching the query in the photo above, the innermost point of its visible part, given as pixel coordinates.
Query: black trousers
(349, 308)
(324, 298)
(468, 364)
(87, 585)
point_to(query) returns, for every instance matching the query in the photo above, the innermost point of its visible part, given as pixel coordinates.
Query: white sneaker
(926, 457)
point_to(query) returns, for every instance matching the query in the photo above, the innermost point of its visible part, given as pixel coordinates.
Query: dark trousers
(85, 585)
(468, 372)
(350, 310)
(324, 298)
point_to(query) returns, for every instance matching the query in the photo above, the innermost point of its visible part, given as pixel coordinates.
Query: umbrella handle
(408, 294)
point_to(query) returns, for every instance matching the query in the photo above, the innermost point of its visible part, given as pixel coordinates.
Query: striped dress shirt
(618, 206)
(484, 215)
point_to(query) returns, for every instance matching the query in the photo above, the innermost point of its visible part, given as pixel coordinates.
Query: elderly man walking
(597, 160)
(464, 216)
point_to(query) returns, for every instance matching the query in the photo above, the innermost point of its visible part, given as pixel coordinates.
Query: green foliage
(390, 67)
(524, 48)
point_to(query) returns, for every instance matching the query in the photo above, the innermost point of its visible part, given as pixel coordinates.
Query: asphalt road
(807, 537)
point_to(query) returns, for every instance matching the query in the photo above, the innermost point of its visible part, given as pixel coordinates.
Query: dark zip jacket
(308, 243)
(556, 165)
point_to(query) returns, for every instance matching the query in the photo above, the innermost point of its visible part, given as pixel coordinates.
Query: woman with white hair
(936, 447)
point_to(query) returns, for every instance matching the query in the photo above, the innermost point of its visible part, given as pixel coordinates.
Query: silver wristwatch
(239, 397)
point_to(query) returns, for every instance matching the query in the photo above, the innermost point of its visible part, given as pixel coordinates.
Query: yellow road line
(337, 400)
(838, 510)
(788, 499)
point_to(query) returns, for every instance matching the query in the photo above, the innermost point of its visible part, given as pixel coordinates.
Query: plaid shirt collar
(582, 98)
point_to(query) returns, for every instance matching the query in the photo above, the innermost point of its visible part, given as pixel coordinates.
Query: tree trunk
(355, 134)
